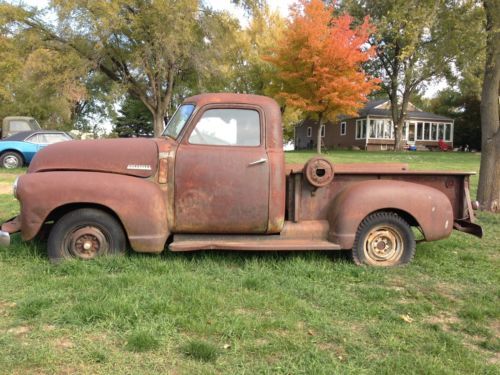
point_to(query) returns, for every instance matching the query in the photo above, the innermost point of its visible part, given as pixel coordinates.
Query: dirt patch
(64, 343)
(49, 327)
(6, 307)
(5, 188)
(333, 348)
(448, 291)
(261, 342)
(19, 330)
(495, 360)
(445, 321)
(243, 311)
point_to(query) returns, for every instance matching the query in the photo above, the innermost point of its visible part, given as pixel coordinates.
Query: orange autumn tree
(319, 62)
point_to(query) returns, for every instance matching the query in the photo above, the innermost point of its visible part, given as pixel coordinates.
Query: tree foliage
(319, 61)
(417, 41)
(464, 109)
(152, 49)
(134, 120)
(37, 80)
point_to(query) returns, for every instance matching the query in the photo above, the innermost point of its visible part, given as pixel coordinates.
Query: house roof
(381, 108)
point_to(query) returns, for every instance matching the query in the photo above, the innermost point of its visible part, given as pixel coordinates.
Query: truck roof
(231, 98)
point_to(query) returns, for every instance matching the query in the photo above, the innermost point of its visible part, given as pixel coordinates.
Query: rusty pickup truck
(217, 179)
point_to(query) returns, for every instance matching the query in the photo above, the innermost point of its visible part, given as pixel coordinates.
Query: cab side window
(227, 127)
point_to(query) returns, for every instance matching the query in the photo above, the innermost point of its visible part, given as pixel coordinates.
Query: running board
(191, 242)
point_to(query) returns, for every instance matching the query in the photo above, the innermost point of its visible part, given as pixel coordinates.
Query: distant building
(373, 130)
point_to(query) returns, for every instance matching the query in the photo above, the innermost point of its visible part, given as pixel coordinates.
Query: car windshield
(177, 122)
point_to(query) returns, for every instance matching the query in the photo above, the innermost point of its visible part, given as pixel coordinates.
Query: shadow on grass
(37, 249)
(242, 257)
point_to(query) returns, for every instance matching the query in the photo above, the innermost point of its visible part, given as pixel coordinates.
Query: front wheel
(11, 159)
(86, 233)
(383, 239)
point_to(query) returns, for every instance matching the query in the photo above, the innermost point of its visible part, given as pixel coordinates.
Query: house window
(309, 131)
(343, 126)
(420, 131)
(447, 132)
(433, 131)
(360, 129)
(441, 131)
(373, 130)
(427, 131)
(322, 130)
(381, 129)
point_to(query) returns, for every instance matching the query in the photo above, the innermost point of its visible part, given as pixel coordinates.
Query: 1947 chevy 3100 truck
(217, 179)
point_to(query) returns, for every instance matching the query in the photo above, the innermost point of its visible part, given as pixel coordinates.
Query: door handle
(260, 161)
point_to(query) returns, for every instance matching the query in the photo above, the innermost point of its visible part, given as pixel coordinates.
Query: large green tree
(417, 43)
(152, 49)
(133, 120)
(464, 109)
(37, 80)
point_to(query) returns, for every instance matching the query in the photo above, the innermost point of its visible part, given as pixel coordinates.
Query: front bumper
(4, 238)
(6, 229)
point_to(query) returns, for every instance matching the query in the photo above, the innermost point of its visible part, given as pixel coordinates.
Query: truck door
(222, 173)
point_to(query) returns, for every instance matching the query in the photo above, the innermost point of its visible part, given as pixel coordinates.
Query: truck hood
(133, 156)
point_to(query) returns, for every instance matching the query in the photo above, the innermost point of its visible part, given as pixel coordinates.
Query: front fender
(138, 203)
(428, 206)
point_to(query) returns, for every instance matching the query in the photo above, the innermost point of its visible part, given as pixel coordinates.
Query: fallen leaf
(407, 318)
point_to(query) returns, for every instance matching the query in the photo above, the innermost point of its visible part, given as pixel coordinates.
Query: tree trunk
(488, 193)
(158, 123)
(398, 118)
(398, 134)
(318, 135)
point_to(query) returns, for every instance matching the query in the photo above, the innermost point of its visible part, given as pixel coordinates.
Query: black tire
(383, 239)
(85, 233)
(11, 159)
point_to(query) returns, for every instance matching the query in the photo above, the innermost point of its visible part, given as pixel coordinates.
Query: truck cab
(217, 179)
(16, 124)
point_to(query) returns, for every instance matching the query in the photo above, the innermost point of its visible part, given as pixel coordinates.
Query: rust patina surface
(169, 192)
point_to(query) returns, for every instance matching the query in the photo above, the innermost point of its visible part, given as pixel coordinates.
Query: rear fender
(429, 207)
(138, 203)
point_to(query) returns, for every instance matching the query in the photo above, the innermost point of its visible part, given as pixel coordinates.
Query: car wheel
(86, 233)
(11, 159)
(383, 239)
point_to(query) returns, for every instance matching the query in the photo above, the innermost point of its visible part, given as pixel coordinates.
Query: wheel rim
(10, 161)
(383, 245)
(87, 242)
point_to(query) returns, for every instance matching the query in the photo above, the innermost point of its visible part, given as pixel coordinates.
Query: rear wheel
(86, 233)
(383, 239)
(11, 159)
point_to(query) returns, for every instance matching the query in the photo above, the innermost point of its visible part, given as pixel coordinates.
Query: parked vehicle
(217, 179)
(15, 124)
(20, 148)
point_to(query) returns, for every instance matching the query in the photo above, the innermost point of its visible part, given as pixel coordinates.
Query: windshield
(177, 122)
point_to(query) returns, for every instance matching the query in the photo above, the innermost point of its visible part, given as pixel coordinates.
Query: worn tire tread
(377, 218)
(91, 215)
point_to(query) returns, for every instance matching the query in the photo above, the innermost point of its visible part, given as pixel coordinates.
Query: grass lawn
(248, 313)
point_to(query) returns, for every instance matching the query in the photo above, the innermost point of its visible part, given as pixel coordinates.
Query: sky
(281, 5)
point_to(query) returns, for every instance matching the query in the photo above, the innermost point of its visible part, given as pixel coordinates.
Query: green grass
(250, 313)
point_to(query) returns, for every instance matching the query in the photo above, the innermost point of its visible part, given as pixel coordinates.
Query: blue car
(20, 148)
